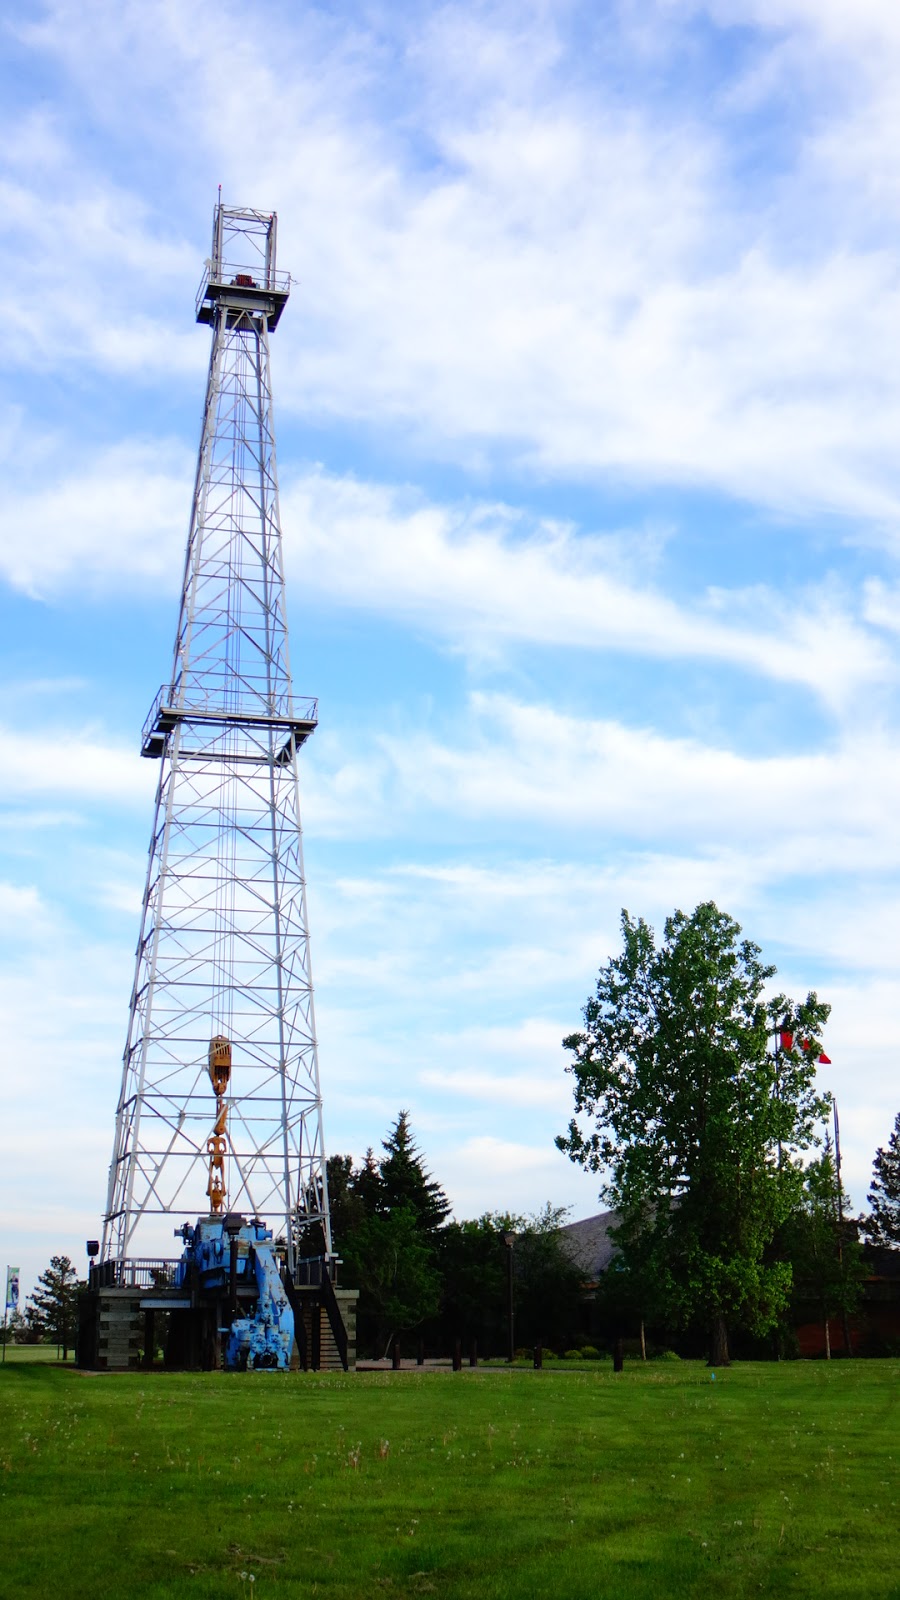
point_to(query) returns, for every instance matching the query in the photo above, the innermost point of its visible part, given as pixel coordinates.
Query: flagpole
(845, 1322)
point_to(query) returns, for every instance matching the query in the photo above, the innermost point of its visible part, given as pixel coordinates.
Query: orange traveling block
(220, 1062)
(217, 1143)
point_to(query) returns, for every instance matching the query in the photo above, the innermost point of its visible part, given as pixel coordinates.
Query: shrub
(589, 1352)
(573, 1355)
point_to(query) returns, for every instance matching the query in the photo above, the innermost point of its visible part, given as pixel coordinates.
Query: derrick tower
(220, 1085)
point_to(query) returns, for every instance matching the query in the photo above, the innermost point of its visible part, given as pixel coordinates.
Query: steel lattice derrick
(223, 952)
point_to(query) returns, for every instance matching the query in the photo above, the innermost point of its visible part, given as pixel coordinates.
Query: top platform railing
(253, 287)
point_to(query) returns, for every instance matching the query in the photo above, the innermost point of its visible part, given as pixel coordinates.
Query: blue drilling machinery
(230, 1260)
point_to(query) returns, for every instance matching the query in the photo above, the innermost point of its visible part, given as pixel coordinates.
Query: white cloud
(533, 763)
(519, 267)
(121, 516)
(88, 275)
(23, 914)
(517, 1066)
(489, 573)
(84, 767)
(524, 1175)
(477, 575)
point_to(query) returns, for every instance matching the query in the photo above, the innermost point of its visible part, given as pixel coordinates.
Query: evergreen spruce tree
(55, 1300)
(883, 1224)
(386, 1215)
(826, 1259)
(366, 1184)
(405, 1182)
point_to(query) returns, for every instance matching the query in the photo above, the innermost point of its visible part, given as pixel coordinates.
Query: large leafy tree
(54, 1304)
(473, 1261)
(883, 1223)
(394, 1265)
(692, 1118)
(472, 1264)
(549, 1287)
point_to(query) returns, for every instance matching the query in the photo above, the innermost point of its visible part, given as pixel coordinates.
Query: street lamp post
(509, 1240)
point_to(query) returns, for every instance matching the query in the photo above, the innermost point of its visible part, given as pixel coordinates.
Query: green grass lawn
(33, 1352)
(774, 1480)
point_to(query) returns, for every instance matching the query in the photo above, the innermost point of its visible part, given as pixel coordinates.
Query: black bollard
(538, 1357)
(457, 1355)
(420, 1353)
(149, 1338)
(473, 1354)
(618, 1355)
(395, 1355)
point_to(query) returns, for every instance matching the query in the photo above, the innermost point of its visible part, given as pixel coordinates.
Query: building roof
(881, 1260)
(588, 1243)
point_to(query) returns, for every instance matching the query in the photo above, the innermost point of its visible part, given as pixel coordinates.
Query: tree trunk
(827, 1340)
(643, 1342)
(718, 1342)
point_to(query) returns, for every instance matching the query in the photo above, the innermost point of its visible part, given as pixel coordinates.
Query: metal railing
(138, 1272)
(289, 710)
(253, 278)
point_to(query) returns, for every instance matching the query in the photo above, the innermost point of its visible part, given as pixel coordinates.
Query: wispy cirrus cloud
(518, 269)
(86, 764)
(475, 575)
(116, 519)
(524, 761)
(491, 574)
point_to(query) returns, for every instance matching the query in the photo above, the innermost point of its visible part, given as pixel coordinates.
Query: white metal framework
(223, 951)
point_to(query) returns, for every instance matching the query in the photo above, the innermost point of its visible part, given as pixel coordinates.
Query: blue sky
(588, 411)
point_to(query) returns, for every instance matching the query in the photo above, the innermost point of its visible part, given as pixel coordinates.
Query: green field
(29, 1353)
(780, 1480)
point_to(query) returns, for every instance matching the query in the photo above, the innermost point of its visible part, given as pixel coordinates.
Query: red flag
(824, 1060)
(787, 1039)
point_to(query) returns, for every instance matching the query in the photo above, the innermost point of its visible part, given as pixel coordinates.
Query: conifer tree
(825, 1257)
(386, 1215)
(883, 1224)
(54, 1302)
(405, 1182)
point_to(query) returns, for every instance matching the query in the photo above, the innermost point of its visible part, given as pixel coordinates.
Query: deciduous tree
(692, 1118)
(473, 1264)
